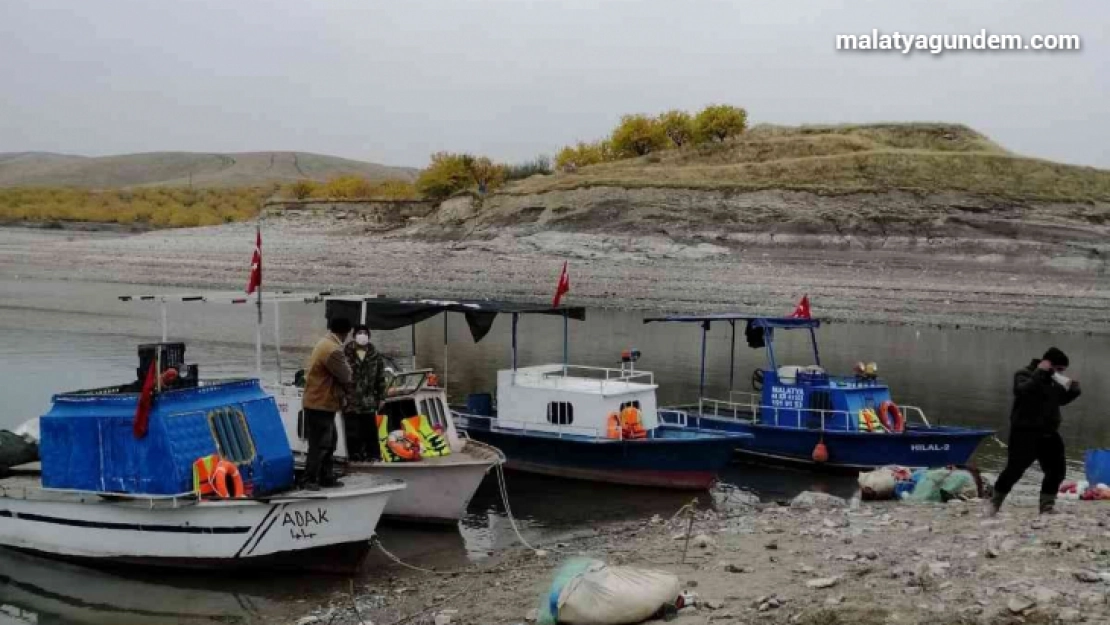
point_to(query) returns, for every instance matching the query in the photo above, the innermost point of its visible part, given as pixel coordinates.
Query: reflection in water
(62, 336)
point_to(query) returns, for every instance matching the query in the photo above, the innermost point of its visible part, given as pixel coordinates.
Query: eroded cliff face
(789, 216)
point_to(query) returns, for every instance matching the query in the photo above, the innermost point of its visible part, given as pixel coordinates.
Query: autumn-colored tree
(446, 175)
(584, 154)
(348, 187)
(395, 190)
(718, 122)
(301, 189)
(678, 126)
(486, 174)
(638, 135)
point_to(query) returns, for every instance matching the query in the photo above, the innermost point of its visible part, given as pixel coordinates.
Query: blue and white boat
(803, 415)
(554, 419)
(112, 492)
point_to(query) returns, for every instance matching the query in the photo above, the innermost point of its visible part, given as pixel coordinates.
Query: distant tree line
(639, 135)
(173, 207)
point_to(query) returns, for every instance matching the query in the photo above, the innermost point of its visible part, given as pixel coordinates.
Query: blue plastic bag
(1098, 466)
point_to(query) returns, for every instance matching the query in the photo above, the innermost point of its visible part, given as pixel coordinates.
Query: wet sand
(892, 283)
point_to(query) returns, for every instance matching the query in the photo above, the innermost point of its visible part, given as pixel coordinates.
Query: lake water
(58, 336)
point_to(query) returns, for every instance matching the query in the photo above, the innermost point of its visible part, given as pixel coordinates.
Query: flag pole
(258, 325)
(277, 338)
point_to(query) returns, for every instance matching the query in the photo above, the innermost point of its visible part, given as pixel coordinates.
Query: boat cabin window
(230, 432)
(560, 413)
(434, 410)
(634, 404)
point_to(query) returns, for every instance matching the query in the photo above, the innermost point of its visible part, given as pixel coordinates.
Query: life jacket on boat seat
(203, 468)
(613, 430)
(631, 426)
(869, 421)
(431, 442)
(395, 446)
(226, 470)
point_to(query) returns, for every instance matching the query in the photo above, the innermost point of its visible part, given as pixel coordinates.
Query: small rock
(1069, 615)
(541, 553)
(823, 501)
(869, 554)
(701, 541)
(993, 552)
(774, 544)
(532, 616)
(835, 600)
(1089, 577)
(308, 620)
(1092, 598)
(1018, 605)
(804, 568)
(823, 582)
(1043, 596)
(439, 598)
(693, 583)
(732, 568)
(713, 604)
(442, 619)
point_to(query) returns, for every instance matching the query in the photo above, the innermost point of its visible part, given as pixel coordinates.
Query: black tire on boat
(16, 450)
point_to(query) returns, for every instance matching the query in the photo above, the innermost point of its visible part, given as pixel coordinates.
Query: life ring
(891, 416)
(226, 469)
(403, 447)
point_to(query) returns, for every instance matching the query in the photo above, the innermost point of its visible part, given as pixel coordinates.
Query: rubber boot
(995, 503)
(1048, 504)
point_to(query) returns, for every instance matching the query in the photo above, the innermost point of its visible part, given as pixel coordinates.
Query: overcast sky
(394, 81)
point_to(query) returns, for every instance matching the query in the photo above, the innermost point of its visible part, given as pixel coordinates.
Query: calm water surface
(59, 336)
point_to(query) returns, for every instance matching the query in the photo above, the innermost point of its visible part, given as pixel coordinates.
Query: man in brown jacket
(327, 380)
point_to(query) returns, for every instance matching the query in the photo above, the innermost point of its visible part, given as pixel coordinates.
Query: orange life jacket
(631, 426)
(203, 468)
(614, 429)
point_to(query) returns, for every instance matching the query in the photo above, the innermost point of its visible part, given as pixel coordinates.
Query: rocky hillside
(926, 180)
(246, 169)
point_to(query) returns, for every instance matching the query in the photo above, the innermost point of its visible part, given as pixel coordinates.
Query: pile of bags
(944, 484)
(1084, 490)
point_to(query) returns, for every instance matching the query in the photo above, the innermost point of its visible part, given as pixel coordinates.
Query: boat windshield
(407, 383)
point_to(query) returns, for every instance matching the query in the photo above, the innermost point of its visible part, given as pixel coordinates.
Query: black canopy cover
(390, 314)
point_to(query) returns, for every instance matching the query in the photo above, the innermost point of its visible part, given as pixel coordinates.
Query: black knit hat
(362, 327)
(1056, 357)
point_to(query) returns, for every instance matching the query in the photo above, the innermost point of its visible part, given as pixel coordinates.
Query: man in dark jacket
(368, 382)
(1039, 391)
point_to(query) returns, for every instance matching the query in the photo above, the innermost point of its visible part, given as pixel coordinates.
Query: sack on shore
(944, 484)
(589, 592)
(878, 484)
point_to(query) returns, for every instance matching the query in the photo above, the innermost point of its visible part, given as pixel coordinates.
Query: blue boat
(803, 415)
(567, 420)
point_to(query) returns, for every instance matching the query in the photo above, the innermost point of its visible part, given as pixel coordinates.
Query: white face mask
(362, 339)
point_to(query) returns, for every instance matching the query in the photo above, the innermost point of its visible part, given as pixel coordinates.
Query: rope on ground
(509, 511)
(378, 543)
(999, 441)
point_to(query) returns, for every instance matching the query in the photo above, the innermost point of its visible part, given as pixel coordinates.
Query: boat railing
(601, 374)
(524, 426)
(742, 404)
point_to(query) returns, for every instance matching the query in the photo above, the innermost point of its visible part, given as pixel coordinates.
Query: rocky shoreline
(818, 560)
(1015, 285)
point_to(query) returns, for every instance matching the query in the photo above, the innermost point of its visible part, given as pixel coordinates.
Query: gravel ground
(930, 286)
(882, 563)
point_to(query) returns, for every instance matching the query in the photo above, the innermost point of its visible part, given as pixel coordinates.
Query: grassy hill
(845, 159)
(246, 169)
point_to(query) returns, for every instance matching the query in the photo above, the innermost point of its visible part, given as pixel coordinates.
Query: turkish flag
(562, 288)
(801, 311)
(146, 401)
(255, 280)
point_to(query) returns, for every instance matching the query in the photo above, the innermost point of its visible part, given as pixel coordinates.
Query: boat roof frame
(767, 324)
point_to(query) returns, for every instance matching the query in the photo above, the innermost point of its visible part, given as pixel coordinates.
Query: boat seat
(788, 374)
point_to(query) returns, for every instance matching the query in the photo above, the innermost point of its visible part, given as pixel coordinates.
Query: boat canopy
(381, 313)
(753, 321)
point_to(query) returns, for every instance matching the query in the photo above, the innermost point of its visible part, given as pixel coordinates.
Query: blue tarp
(87, 441)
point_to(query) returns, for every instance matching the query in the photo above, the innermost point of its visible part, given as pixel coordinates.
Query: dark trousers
(1025, 447)
(361, 431)
(319, 427)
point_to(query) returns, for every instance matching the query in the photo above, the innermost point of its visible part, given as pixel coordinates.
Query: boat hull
(849, 451)
(325, 531)
(689, 462)
(438, 489)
